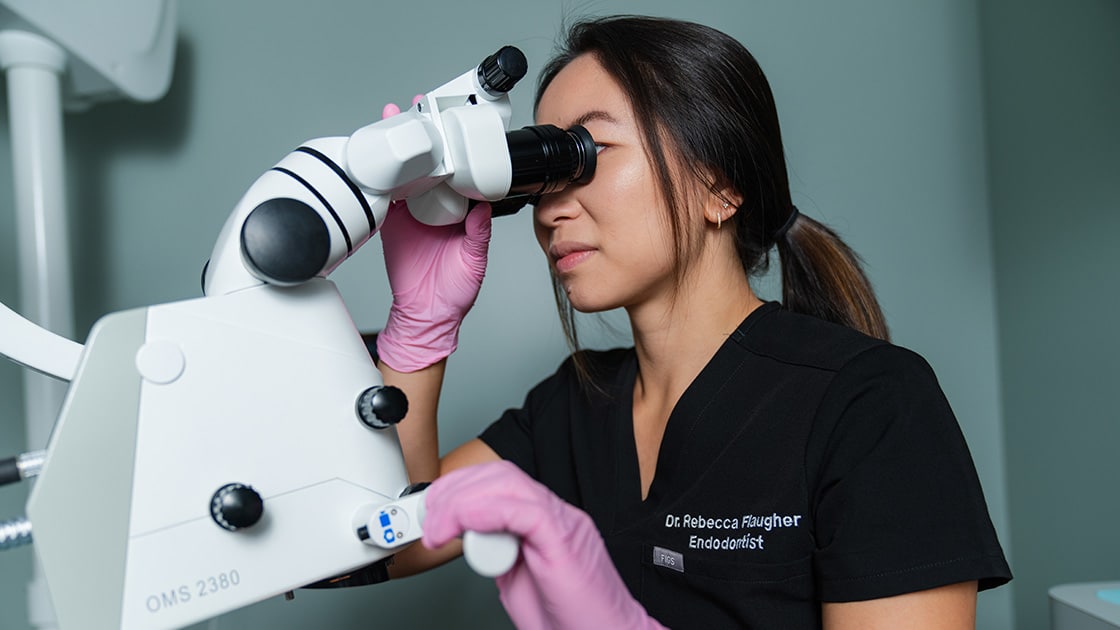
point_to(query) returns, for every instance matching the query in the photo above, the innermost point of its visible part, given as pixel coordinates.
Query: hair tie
(780, 233)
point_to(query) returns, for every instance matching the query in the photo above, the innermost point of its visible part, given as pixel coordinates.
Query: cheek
(629, 189)
(634, 202)
(632, 175)
(540, 233)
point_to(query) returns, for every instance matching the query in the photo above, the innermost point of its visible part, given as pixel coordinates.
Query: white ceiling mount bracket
(21, 48)
(129, 54)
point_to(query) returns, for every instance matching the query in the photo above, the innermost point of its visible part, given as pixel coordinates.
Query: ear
(722, 205)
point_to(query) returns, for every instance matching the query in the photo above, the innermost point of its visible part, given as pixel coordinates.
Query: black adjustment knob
(499, 72)
(285, 241)
(380, 407)
(236, 506)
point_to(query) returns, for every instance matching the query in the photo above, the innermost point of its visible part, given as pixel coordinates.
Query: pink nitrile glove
(435, 273)
(564, 578)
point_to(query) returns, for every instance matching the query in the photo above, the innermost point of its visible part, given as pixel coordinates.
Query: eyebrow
(595, 114)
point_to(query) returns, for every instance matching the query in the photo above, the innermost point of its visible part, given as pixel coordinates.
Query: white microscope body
(215, 452)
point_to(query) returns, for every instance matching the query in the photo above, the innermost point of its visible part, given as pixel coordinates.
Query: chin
(584, 302)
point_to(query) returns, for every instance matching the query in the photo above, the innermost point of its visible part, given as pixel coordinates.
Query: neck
(676, 336)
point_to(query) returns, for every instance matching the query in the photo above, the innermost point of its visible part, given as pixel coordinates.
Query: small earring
(719, 220)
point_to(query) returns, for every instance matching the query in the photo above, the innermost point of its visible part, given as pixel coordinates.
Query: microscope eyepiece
(498, 73)
(545, 159)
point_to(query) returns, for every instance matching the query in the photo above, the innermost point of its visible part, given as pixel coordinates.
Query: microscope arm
(316, 207)
(37, 348)
(320, 203)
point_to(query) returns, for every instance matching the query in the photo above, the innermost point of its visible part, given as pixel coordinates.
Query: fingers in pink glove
(493, 497)
(476, 242)
(435, 273)
(392, 109)
(565, 579)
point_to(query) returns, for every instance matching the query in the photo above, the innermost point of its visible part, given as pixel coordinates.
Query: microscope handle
(393, 525)
(490, 554)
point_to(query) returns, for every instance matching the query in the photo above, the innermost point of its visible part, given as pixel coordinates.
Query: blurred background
(968, 149)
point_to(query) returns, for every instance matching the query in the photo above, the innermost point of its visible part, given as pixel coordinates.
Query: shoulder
(538, 435)
(850, 364)
(803, 340)
(884, 399)
(600, 371)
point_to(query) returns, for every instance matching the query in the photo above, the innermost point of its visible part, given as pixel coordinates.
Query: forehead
(582, 88)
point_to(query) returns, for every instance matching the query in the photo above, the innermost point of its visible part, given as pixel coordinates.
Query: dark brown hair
(701, 100)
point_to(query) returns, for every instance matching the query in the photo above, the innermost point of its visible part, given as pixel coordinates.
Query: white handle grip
(490, 555)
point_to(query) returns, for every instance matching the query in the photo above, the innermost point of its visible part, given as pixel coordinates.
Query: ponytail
(823, 277)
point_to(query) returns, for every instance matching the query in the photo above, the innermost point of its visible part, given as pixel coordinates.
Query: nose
(556, 207)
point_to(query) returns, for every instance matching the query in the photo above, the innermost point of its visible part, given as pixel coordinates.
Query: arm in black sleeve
(515, 435)
(898, 504)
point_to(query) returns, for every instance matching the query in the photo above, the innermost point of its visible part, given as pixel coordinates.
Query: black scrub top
(807, 463)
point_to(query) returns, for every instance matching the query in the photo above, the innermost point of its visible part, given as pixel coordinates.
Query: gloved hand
(435, 273)
(564, 578)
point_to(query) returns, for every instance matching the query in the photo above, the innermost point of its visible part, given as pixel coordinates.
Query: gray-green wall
(884, 116)
(1052, 80)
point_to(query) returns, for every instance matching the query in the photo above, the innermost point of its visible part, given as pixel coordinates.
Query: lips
(567, 255)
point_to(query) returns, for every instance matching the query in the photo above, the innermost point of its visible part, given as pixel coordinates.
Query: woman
(746, 464)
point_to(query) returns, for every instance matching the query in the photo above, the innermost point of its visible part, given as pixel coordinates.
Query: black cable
(9, 471)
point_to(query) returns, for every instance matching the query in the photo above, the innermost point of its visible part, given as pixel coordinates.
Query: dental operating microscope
(218, 451)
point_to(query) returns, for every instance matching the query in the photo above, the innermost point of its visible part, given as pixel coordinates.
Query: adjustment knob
(236, 506)
(499, 72)
(285, 242)
(380, 407)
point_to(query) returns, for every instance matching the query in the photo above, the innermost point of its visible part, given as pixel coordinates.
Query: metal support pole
(34, 65)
